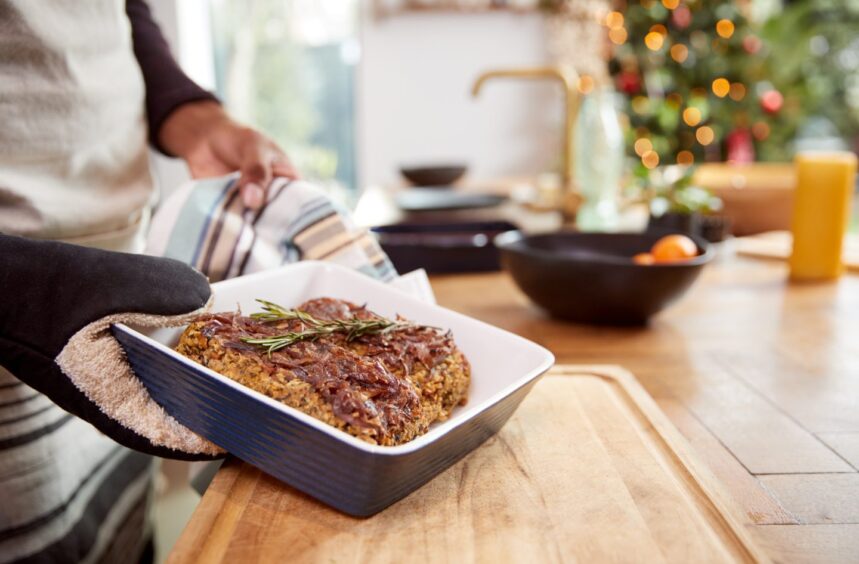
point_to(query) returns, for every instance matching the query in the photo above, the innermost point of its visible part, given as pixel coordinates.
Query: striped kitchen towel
(205, 224)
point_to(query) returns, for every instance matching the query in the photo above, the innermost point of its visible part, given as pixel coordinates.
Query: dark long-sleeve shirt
(167, 87)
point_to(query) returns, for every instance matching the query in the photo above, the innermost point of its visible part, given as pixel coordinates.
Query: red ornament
(739, 146)
(772, 101)
(629, 82)
(752, 44)
(681, 17)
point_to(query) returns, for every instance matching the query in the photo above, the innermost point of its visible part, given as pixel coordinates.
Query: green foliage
(675, 83)
(273, 79)
(808, 52)
(812, 56)
(261, 81)
(670, 189)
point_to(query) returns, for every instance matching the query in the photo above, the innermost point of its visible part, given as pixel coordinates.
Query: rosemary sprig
(316, 328)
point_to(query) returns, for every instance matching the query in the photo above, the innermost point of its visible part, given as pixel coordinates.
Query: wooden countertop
(760, 376)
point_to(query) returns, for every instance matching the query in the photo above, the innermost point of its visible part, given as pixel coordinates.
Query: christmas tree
(694, 75)
(703, 81)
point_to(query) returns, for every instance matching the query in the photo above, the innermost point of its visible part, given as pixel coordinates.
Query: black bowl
(431, 176)
(443, 247)
(590, 277)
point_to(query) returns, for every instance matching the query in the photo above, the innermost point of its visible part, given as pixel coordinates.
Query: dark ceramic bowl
(443, 247)
(441, 175)
(590, 277)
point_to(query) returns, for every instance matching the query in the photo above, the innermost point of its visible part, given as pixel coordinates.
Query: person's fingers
(258, 160)
(255, 172)
(255, 168)
(253, 195)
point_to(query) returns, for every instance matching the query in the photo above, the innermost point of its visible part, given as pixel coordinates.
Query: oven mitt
(57, 302)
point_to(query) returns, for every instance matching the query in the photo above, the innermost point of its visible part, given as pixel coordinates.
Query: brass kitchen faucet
(569, 79)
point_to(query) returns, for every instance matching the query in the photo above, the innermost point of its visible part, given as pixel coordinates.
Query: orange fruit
(643, 258)
(674, 248)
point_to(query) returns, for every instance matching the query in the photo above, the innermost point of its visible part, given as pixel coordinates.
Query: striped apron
(74, 167)
(69, 493)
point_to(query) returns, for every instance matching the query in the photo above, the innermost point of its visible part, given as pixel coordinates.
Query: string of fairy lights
(702, 81)
(690, 35)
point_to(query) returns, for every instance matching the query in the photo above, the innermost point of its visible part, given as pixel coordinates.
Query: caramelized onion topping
(356, 378)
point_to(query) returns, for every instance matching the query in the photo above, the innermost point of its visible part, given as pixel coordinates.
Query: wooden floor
(761, 376)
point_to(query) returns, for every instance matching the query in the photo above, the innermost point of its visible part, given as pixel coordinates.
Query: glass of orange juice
(822, 207)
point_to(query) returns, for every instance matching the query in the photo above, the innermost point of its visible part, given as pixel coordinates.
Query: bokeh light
(654, 41)
(679, 52)
(617, 35)
(692, 116)
(659, 28)
(650, 159)
(721, 87)
(614, 20)
(642, 145)
(670, 4)
(685, 158)
(738, 91)
(586, 83)
(705, 135)
(725, 28)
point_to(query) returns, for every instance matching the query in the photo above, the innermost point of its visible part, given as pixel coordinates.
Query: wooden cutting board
(777, 245)
(587, 469)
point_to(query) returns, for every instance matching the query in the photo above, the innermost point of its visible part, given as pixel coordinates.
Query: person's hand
(212, 144)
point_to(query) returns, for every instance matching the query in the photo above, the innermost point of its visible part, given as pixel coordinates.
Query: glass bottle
(599, 160)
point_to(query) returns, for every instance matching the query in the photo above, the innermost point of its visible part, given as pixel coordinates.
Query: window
(288, 68)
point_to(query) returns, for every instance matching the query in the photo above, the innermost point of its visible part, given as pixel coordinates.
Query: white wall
(415, 103)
